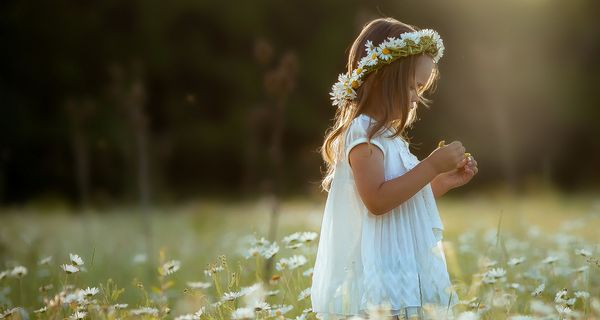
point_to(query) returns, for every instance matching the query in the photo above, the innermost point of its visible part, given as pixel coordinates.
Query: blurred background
(104, 100)
(215, 111)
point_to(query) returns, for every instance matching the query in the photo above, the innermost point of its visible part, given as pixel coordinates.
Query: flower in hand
(466, 170)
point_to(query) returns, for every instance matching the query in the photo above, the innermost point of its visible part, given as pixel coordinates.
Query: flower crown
(410, 43)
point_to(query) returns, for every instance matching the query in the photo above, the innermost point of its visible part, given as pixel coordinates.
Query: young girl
(380, 243)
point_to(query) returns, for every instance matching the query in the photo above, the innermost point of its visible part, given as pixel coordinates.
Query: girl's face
(423, 69)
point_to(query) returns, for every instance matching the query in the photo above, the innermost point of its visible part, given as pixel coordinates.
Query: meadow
(529, 257)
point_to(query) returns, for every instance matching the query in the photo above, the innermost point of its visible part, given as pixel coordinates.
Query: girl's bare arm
(438, 188)
(378, 195)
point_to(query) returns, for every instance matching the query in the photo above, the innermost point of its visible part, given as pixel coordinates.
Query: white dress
(365, 259)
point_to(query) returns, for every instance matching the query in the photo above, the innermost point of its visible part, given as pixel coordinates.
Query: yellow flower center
(354, 84)
(386, 51)
(359, 70)
(374, 56)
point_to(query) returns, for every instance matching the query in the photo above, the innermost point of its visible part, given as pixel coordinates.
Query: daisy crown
(409, 43)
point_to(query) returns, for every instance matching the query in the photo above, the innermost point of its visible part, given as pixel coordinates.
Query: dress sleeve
(357, 134)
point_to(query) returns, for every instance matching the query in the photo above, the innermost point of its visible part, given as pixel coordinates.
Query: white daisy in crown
(421, 41)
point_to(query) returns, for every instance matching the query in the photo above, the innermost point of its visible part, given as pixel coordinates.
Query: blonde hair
(391, 85)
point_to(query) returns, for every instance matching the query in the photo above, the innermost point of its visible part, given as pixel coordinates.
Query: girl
(380, 243)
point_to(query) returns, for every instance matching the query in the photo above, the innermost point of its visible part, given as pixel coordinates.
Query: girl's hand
(447, 157)
(459, 176)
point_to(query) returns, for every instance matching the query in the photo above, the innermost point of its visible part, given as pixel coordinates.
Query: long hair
(389, 86)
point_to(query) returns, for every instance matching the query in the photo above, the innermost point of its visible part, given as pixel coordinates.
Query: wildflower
(41, 310)
(88, 292)
(538, 306)
(199, 285)
(550, 260)
(581, 269)
(170, 267)
(213, 270)
(493, 274)
(304, 293)
(3, 274)
(272, 292)
(190, 316)
(242, 313)
(18, 272)
(582, 294)
(230, 296)
(515, 261)
(145, 310)
(45, 260)
(75, 259)
(279, 310)
(78, 315)
(120, 306)
(265, 250)
(259, 306)
(254, 294)
(559, 296)
(291, 263)
(308, 272)
(297, 239)
(563, 310)
(140, 258)
(583, 252)
(539, 290)
(69, 268)
(8, 312)
(468, 315)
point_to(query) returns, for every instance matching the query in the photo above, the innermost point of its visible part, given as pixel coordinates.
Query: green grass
(479, 229)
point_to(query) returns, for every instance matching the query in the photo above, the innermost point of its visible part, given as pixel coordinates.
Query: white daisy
(76, 259)
(242, 313)
(369, 46)
(272, 293)
(298, 238)
(144, 310)
(559, 297)
(582, 294)
(279, 310)
(581, 269)
(213, 270)
(78, 315)
(90, 291)
(45, 260)
(291, 263)
(188, 316)
(384, 52)
(41, 310)
(537, 291)
(563, 310)
(410, 36)
(230, 296)
(170, 267)
(550, 259)
(583, 252)
(18, 272)
(308, 272)
(199, 285)
(303, 294)
(259, 306)
(515, 261)
(68, 268)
